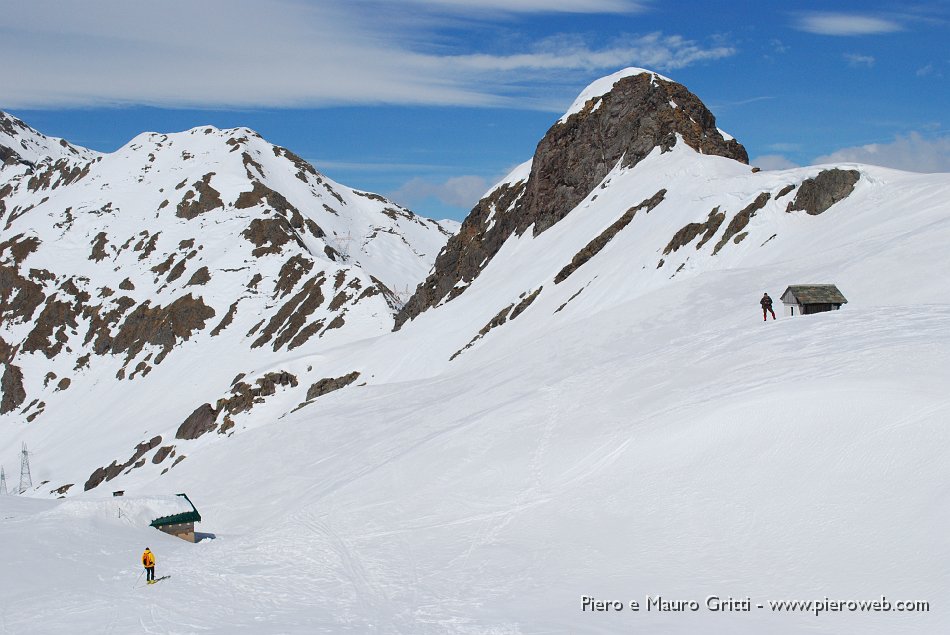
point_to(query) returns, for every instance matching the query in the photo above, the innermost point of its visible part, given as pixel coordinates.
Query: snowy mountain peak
(22, 145)
(604, 85)
(616, 122)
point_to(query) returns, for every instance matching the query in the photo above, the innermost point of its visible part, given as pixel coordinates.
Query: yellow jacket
(148, 559)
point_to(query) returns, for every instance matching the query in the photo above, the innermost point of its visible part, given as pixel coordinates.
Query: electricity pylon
(26, 481)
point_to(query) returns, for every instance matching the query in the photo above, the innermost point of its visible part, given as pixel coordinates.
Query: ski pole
(138, 578)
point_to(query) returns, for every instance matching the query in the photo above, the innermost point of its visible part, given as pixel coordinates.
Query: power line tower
(26, 481)
(3, 482)
(343, 244)
(402, 296)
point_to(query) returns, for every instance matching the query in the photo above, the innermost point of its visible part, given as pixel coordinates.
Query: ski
(164, 577)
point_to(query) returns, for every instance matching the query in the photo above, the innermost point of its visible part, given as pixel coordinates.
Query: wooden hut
(803, 299)
(182, 524)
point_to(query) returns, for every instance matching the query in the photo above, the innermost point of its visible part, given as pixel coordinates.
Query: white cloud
(778, 46)
(240, 53)
(226, 52)
(655, 50)
(785, 147)
(859, 60)
(373, 166)
(457, 191)
(913, 153)
(772, 162)
(537, 6)
(845, 24)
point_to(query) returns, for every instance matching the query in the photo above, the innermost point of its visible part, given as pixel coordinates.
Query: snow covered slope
(592, 408)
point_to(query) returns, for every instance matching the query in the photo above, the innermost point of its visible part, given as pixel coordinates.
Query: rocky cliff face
(637, 112)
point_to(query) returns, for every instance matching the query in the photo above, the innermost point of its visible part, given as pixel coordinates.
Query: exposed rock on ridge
(817, 194)
(593, 247)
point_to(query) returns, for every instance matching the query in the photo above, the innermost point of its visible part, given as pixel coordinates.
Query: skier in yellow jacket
(148, 561)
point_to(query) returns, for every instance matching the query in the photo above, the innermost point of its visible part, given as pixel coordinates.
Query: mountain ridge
(299, 318)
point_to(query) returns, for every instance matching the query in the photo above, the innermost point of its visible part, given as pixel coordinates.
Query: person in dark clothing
(766, 303)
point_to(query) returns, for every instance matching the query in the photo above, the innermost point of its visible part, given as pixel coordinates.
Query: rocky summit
(618, 120)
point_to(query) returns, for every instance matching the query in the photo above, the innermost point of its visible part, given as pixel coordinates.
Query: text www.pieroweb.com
(718, 604)
(827, 605)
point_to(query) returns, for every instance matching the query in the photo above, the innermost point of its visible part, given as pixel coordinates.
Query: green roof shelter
(181, 524)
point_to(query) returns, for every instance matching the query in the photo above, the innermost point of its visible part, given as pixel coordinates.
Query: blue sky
(432, 101)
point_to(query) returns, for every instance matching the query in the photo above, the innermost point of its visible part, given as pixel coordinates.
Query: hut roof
(813, 294)
(183, 517)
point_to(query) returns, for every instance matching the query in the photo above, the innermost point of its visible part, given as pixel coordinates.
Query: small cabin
(803, 299)
(182, 524)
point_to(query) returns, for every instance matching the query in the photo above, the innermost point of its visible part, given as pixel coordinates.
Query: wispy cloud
(724, 105)
(785, 147)
(773, 162)
(536, 6)
(369, 166)
(457, 191)
(859, 60)
(663, 52)
(913, 152)
(778, 46)
(245, 53)
(845, 24)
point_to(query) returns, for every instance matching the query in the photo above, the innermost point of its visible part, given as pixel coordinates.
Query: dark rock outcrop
(690, 231)
(12, 387)
(200, 277)
(163, 453)
(226, 320)
(285, 325)
(160, 326)
(740, 220)
(115, 468)
(207, 200)
(99, 247)
(242, 398)
(60, 314)
(329, 384)
(198, 422)
(593, 247)
(510, 312)
(817, 194)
